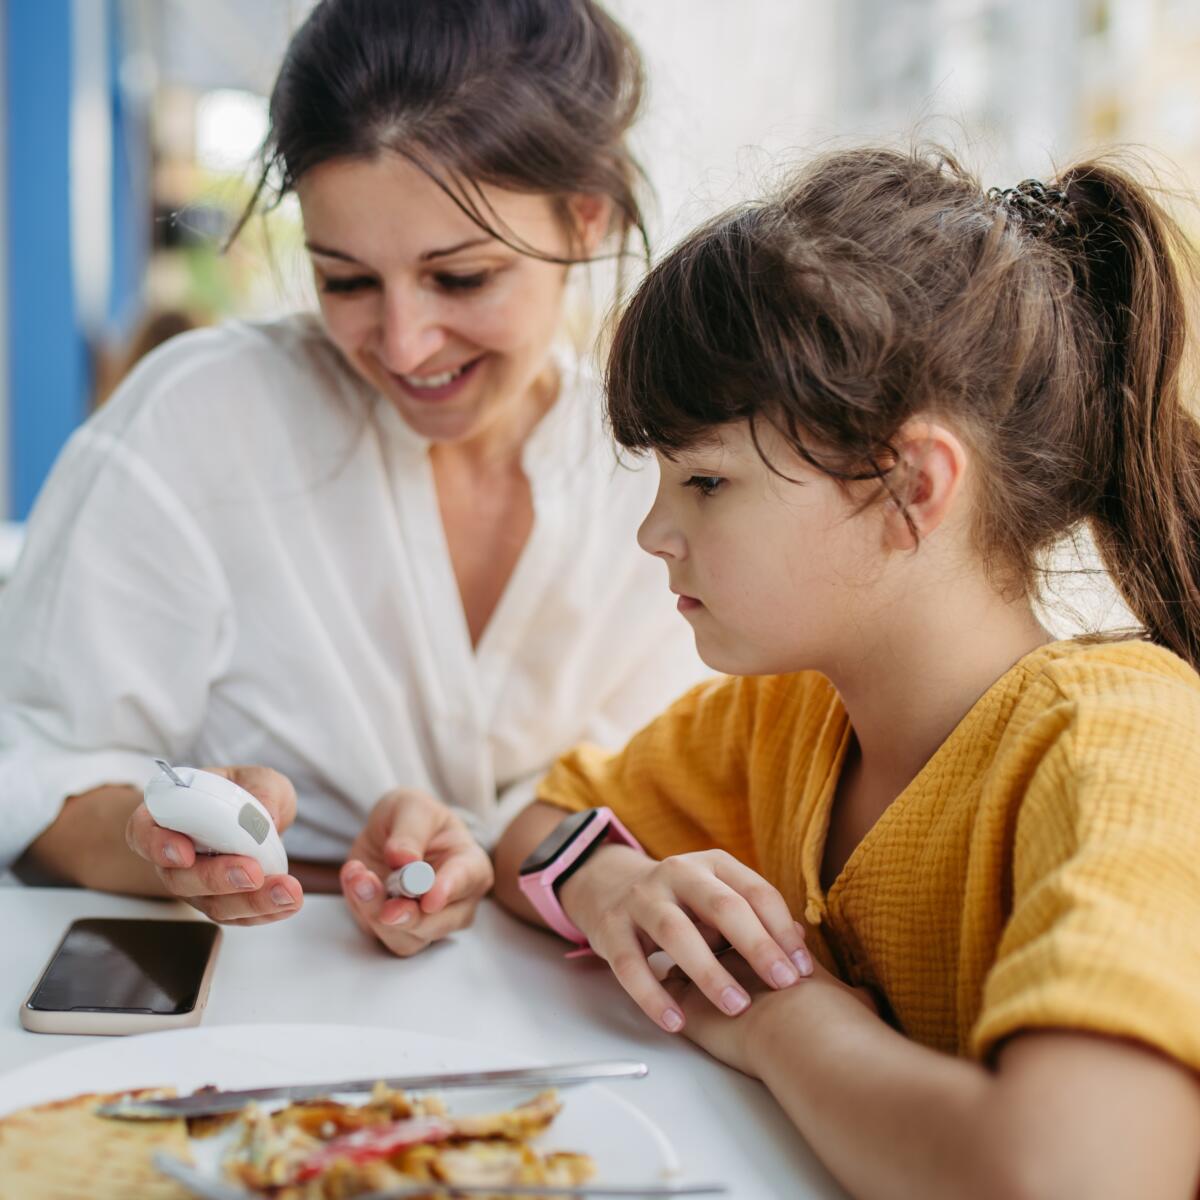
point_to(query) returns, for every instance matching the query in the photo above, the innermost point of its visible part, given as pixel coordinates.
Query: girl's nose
(659, 536)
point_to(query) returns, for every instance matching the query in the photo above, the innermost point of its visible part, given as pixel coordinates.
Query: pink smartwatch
(568, 846)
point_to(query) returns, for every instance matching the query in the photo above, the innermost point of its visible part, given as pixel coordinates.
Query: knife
(216, 1189)
(206, 1104)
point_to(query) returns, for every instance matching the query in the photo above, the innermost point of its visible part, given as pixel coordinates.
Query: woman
(387, 558)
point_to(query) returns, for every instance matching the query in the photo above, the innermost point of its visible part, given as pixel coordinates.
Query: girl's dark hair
(1046, 323)
(528, 95)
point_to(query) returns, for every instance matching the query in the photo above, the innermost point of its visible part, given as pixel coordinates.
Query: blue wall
(49, 377)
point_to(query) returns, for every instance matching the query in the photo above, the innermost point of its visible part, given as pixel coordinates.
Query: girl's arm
(1062, 1114)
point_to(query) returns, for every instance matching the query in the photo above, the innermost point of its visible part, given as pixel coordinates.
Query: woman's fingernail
(672, 1021)
(239, 878)
(281, 896)
(364, 889)
(733, 1000)
(803, 961)
(401, 918)
(172, 855)
(782, 975)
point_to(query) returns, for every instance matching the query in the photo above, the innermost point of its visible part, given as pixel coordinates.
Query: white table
(500, 983)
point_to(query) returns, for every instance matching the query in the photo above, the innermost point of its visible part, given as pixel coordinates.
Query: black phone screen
(126, 966)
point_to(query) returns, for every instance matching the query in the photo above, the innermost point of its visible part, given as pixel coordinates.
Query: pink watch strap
(539, 887)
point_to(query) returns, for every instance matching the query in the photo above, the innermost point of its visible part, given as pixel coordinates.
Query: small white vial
(410, 881)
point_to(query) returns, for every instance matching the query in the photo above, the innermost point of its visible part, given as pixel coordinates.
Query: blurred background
(129, 131)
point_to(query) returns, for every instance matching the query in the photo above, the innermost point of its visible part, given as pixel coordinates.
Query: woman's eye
(706, 485)
(355, 283)
(461, 283)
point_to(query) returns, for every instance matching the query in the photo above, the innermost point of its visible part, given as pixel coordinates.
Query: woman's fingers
(364, 893)
(163, 848)
(279, 896)
(273, 790)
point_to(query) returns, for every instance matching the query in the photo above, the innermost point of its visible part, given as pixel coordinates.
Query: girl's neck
(940, 652)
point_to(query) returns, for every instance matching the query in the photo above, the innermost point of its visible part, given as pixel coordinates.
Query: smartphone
(114, 976)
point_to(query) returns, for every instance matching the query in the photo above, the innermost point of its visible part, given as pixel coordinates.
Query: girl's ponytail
(1127, 257)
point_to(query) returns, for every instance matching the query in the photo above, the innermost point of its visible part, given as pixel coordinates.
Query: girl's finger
(618, 945)
(769, 906)
(719, 905)
(676, 935)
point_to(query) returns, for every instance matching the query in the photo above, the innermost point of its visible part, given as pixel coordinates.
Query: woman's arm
(1063, 1114)
(86, 844)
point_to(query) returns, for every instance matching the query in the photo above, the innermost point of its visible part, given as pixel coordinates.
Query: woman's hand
(741, 1043)
(229, 888)
(684, 906)
(407, 826)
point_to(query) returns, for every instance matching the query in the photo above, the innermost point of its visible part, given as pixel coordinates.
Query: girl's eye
(461, 283)
(355, 283)
(706, 485)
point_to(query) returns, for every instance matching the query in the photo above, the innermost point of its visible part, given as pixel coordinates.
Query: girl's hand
(229, 888)
(407, 826)
(684, 906)
(742, 1043)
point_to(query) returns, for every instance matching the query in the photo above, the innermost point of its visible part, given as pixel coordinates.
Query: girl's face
(774, 576)
(447, 322)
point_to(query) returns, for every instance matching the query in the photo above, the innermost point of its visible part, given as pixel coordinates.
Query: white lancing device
(219, 816)
(410, 881)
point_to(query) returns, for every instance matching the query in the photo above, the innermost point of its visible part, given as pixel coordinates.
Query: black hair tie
(1041, 210)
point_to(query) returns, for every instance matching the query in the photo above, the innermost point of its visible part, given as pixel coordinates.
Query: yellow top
(1042, 870)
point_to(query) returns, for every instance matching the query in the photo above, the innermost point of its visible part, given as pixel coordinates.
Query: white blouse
(240, 559)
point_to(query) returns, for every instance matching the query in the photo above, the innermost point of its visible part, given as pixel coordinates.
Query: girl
(336, 549)
(876, 402)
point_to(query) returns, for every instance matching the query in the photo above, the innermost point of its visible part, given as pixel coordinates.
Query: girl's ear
(926, 482)
(591, 216)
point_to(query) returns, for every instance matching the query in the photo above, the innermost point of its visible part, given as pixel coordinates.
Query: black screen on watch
(557, 840)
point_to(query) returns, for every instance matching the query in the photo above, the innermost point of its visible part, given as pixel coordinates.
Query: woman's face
(447, 322)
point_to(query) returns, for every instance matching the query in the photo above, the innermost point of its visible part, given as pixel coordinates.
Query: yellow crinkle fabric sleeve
(681, 783)
(1102, 933)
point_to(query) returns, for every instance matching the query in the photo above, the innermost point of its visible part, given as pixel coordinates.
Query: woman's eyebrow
(327, 252)
(479, 241)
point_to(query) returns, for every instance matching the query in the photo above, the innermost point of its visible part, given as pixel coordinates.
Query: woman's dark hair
(528, 95)
(1046, 323)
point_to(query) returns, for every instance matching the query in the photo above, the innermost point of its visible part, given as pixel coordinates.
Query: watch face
(559, 838)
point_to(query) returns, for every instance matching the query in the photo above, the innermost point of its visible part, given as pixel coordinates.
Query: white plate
(627, 1146)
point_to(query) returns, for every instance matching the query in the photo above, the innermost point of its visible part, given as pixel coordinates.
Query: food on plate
(63, 1151)
(326, 1150)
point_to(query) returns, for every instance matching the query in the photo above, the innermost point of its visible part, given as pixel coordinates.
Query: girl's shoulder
(1094, 672)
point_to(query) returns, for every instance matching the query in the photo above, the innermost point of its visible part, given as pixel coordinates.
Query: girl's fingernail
(364, 889)
(782, 975)
(281, 896)
(239, 878)
(672, 1021)
(401, 918)
(172, 855)
(733, 1000)
(803, 961)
